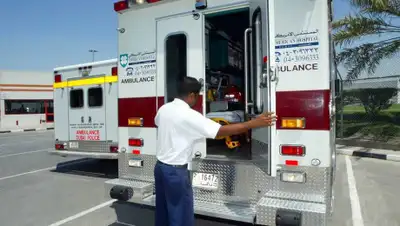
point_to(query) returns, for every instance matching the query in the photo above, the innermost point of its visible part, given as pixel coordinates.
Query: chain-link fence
(368, 109)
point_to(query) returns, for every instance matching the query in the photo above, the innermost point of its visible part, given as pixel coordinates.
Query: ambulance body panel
(278, 55)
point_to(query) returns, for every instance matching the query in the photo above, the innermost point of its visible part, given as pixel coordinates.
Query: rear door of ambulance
(183, 33)
(87, 113)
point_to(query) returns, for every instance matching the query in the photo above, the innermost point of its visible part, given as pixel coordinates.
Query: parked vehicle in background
(85, 97)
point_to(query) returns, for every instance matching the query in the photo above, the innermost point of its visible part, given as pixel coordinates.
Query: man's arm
(203, 127)
(263, 120)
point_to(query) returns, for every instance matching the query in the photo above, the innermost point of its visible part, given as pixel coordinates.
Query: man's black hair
(187, 86)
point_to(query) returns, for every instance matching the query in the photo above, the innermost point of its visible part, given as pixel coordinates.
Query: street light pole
(93, 51)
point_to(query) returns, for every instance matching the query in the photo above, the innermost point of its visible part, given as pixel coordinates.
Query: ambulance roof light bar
(57, 78)
(121, 5)
(124, 4)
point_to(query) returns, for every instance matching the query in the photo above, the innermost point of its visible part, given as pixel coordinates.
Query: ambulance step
(125, 189)
(295, 196)
(226, 211)
(269, 210)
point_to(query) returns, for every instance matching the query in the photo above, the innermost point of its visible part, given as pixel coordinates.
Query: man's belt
(176, 166)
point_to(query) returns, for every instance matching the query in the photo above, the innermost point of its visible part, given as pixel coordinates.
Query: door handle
(247, 66)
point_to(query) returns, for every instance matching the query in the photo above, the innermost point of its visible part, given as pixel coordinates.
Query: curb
(25, 130)
(363, 154)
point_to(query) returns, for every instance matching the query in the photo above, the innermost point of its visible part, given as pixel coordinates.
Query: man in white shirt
(179, 127)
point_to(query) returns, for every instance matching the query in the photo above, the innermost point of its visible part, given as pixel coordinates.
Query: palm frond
(368, 56)
(387, 7)
(352, 28)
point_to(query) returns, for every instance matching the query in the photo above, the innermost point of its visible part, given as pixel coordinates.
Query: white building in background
(26, 100)
(374, 83)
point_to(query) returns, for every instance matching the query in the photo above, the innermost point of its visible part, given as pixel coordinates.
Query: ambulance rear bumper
(271, 211)
(95, 155)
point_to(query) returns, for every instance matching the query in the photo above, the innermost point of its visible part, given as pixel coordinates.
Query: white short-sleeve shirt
(178, 128)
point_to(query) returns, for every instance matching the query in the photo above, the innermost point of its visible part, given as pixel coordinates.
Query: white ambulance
(251, 56)
(85, 107)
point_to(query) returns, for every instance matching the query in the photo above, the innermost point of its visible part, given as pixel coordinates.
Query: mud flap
(287, 218)
(121, 193)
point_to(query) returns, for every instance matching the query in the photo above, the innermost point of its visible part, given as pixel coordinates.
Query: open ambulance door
(87, 113)
(260, 90)
(180, 53)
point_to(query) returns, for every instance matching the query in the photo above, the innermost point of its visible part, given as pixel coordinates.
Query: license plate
(73, 145)
(135, 163)
(205, 181)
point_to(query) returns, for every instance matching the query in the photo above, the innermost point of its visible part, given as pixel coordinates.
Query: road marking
(26, 173)
(354, 200)
(23, 153)
(25, 134)
(27, 142)
(83, 213)
(61, 165)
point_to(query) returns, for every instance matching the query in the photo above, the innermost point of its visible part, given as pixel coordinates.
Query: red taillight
(121, 5)
(292, 162)
(153, 1)
(114, 71)
(292, 150)
(113, 149)
(136, 152)
(57, 78)
(59, 147)
(135, 142)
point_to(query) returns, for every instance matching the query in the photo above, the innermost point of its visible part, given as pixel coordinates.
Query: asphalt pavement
(38, 189)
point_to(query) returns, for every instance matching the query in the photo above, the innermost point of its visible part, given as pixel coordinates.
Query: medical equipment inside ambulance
(224, 82)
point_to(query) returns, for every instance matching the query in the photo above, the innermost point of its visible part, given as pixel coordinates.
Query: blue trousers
(174, 196)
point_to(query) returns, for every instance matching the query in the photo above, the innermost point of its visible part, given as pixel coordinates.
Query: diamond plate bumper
(245, 193)
(312, 214)
(143, 194)
(96, 155)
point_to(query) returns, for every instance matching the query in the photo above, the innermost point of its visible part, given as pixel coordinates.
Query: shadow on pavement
(129, 214)
(102, 168)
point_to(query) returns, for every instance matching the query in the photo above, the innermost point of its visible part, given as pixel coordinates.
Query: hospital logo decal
(123, 60)
(129, 71)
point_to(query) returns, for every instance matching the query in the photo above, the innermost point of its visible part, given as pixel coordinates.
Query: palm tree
(374, 18)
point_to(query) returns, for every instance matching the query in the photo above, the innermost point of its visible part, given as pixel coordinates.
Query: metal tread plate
(94, 146)
(140, 189)
(231, 211)
(295, 196)
(135, 184)
(312, 213)
(225, 211)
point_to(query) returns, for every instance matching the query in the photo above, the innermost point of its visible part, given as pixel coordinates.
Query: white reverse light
(294, 177)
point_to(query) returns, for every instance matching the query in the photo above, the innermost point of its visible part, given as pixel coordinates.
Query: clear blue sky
(43, 34)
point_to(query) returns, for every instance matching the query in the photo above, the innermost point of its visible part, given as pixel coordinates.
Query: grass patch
(395, 108)
(383, 128)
